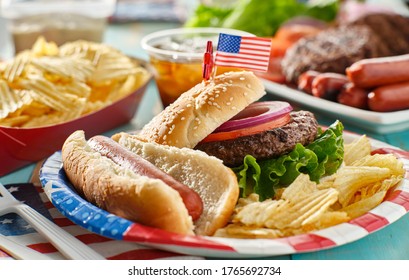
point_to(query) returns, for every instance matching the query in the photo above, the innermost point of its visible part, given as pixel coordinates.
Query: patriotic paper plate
(69, 203)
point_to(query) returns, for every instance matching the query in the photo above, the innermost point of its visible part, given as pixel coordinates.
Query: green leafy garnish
(260, 17)
(321, 157)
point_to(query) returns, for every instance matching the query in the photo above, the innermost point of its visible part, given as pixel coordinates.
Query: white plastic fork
(69, 246)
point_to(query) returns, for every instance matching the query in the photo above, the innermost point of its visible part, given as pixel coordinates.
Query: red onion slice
(255, 114)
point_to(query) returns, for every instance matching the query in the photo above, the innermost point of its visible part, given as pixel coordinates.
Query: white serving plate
(372, 121)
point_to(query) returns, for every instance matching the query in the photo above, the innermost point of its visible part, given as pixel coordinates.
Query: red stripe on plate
(396, 152)
(140, 233)
(401, 198)
(370, 222)
(143, 254)
(308, 242)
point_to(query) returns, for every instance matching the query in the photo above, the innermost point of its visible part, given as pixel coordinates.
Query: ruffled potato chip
(304, 206)
(64, 83)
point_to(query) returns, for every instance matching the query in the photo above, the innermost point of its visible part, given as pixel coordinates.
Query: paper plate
(70, 204)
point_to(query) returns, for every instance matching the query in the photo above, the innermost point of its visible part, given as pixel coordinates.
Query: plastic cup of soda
(176, 57)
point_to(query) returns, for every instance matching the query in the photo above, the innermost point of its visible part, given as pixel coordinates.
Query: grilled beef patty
(335, 49)
(267, 144)
(391, 28)
(332, 50)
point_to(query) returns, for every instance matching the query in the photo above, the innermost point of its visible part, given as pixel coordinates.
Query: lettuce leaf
(260, 17)
(321, 157)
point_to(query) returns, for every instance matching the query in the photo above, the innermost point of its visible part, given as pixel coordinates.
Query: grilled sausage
(389, 98)
(373, 72)
(353, 96)
(328, 85)
(305, 81)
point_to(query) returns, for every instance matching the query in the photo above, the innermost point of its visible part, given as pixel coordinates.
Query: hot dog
(111, 149)
(149, 201)
(305, 81)
(372, 72)
(353, 96)
(328, 85)
(389, 98)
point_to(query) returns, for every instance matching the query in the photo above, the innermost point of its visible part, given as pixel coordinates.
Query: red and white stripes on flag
(251, 53)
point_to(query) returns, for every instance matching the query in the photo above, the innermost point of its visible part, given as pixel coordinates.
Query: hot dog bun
(120, 191)
(199, 111)
(151, 201)
(215, 183)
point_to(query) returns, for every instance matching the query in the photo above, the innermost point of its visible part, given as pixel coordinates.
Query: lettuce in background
(322, 157)
(261, 17)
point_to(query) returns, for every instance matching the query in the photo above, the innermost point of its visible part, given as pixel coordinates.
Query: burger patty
(332, 50)
(335, 49)
(267, 144)
(393, 30)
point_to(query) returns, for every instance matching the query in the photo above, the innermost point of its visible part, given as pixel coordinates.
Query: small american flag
(251, 53)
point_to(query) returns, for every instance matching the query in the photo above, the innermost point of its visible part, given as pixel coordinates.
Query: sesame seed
(248, 85)
(228, 103)
(234, 108)
(245, 93)
(195, 127)
(182, 118)
(231, 99)
(242, 78)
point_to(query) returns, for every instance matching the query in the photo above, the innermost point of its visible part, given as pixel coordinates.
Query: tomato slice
(228, 135)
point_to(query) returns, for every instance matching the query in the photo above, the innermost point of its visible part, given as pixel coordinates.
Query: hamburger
(266, 144)
(173, 175)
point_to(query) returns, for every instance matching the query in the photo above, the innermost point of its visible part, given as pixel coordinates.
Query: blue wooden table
(391, 242)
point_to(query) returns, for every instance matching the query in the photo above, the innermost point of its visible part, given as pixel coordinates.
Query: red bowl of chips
(23, 146)
(46, 129)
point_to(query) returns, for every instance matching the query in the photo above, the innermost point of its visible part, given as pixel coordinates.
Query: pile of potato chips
(358, 186)
(50, 84)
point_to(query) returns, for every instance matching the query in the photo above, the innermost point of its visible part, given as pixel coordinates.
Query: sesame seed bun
(199, 111)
